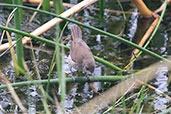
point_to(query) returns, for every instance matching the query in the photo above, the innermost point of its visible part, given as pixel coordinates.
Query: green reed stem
(60, 62)
(44, 99)
(59, 8)
(19, 45)
(82, 79)
(119, 2)
(97, 30)
(46, 5)
(101, 11)
(52, 43)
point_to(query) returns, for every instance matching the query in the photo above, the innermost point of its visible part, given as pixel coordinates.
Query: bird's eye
(87, 68)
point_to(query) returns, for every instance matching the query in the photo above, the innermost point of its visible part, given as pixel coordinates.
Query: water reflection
(162, 85)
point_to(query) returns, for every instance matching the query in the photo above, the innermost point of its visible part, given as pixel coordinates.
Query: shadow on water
(102, 46)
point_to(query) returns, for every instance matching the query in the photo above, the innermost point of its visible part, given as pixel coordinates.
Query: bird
(80, 56)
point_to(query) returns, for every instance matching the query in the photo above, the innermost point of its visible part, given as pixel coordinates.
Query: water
(101, 46)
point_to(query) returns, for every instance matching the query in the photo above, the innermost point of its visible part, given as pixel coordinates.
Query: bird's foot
(88, 78)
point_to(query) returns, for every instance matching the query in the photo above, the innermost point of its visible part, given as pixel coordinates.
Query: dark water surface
(102, 46)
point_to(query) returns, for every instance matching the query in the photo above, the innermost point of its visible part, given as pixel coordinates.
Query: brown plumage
(81, 57)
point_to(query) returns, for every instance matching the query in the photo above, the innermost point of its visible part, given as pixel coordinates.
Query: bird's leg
(72, 73)
(88, 76)
(91, 83)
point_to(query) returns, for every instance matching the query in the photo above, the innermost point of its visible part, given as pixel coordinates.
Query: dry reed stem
(6, 25)
(2, 36)
(80, 6)
(147, 34)
(36, 1)
(110, 108)
(158, 111)
(12, 51)
(162, 6)
(145, 37)
(103, 100)
(133, 84)
(71, 5)
(57, 103)
(144, 11)
(46, 50)
(147, 13)
(34, 14)
(13, 93)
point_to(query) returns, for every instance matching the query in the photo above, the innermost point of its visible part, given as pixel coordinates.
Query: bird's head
(90, 66)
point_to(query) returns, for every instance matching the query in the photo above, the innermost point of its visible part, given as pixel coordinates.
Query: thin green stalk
(117, 104)
(17, 24)
(121, 9)
(58, 9)
(60, 63)
(49, 73)
(129, 98)
(59, 53)
(138, 101)
(124, 105)
(82, 79)
(141, 99)
(106, 63)
(141, 109)
(97, 30)
(63, 81)
(44, 100)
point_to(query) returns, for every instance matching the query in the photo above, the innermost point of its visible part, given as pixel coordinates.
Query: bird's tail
(76, 32)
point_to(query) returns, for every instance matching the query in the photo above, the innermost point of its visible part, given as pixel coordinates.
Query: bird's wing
(79, 51)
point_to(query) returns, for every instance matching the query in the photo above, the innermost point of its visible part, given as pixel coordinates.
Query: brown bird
(80, 57)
